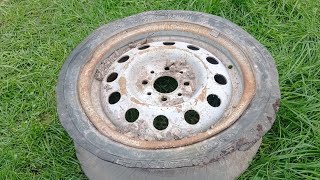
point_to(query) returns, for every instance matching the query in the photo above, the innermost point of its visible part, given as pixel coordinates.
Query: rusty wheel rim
(96, 76)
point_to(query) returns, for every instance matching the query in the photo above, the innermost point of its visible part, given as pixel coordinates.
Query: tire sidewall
(249, 128)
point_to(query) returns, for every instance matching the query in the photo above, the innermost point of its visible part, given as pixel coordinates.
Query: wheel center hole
(165, 84)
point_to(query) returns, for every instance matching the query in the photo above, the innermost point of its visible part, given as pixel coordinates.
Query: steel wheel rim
(109, 130)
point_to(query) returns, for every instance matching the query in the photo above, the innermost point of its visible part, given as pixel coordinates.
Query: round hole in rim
(114, 97)
(192, 117)
(132, 115)
(149, 93)
(160, 122)
(144, 82)
(230, 67)
(212, 60)
(168, 43)
(144, 47)
(165, 84)
(151, 72)
(220, 79)
(195, 48)
(164, 99)
(123, 59)
(179, 94)
(186, 83)
(214, 100)
(167, 68)
(112, 77)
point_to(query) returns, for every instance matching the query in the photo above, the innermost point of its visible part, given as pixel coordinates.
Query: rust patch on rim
(122, 84)
(87, 73)
(203, 94)
(136, 101)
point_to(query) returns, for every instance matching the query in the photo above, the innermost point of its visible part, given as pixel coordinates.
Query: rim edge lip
(85, 100)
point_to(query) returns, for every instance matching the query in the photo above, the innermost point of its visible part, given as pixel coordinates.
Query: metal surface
(195, 77)
(134, 81)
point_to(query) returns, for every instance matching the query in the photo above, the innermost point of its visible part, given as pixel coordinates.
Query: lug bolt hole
(192, 117)
(160, 122)
(112, 77)
(144, 47)
(212, 60)
(186, 83)
(123, 59)
(220, 79)
(144, 82)
(168, 43)
(114, 97)
(214, 100)
(195, 48)
(132, 115)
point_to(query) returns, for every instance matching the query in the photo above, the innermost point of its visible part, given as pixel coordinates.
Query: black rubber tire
(243, 134)
(228, 168)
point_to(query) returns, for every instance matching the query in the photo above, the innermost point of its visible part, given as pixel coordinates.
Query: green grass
(37, 36)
